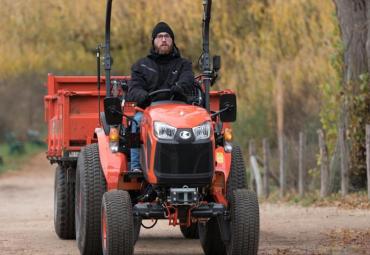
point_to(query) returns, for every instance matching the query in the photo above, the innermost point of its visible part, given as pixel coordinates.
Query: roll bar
(206, 65)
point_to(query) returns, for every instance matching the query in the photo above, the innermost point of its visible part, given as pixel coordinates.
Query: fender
(222, 171)
(113, 164)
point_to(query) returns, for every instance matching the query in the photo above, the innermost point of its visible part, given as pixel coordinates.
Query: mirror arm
(124, 115)
(221, 111)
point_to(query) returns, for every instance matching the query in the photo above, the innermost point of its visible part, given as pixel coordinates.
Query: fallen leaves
(351, 201)
(350, 238)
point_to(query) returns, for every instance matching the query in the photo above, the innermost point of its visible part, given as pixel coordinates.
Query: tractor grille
(184, 163)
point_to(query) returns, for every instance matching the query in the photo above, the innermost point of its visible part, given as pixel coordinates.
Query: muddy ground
(26, 223)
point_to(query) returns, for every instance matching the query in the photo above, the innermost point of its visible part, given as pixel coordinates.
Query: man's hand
(143, 98)
(177, 89)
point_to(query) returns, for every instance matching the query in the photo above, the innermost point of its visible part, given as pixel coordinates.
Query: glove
(143, 98)
(177, 89)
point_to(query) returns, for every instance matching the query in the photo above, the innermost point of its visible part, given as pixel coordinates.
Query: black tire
(244, 225)
(90, 187)
(117, 223)
(190, 232)
(64, 202)
(137, 227)
(210, 238)
(237, 179)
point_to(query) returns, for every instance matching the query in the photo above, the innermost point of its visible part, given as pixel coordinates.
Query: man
(163, 68)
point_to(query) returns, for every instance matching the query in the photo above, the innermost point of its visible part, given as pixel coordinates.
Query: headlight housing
(202, 131)
(164, 131)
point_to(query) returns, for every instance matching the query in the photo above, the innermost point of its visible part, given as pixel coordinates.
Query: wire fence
(302, 165)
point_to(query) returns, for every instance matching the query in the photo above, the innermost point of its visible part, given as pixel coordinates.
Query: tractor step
(149, 211)
(208, 210)
(129, 176)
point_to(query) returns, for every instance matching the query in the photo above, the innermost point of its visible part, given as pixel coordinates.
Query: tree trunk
(301, 164)
(354, 17)
(324, 165)
(266, 166)
(368, 159)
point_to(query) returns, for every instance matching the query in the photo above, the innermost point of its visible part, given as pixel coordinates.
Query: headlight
(203, 131)
(164, 131)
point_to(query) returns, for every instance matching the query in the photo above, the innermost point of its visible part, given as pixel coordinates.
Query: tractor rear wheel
(237, 179)
(244, 225)
(64, 202)
(210, 238)
(190, 232)
(117, 223)
(90, 187)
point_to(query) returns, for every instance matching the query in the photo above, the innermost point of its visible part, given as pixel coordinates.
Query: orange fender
(113, 164)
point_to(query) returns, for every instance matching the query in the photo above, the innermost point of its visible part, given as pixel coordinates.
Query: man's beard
(161, 50)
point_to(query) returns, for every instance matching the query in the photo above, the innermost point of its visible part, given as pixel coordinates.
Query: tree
(354, 18)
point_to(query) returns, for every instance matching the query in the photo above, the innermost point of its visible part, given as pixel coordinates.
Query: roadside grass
(16, 160)
(355, 200)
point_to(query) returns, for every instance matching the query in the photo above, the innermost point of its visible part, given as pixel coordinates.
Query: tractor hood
(178, 115)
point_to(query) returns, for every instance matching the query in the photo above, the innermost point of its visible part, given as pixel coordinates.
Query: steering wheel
(159, 91)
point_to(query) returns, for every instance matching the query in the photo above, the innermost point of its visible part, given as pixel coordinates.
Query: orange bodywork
(177, 115)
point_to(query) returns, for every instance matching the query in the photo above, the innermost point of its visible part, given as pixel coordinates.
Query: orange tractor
(193, 174)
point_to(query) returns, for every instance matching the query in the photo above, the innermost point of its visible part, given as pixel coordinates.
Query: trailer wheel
(236, 178)
(210, 238)
(64, 202)
(117, 223)
(90, 187)
(190, 232)
(244, 225)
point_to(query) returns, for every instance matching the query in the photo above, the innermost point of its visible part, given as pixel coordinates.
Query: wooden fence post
(343, 162)
(255, 169)
(368, 159)
(282, 165)
(324, 165)
(301, 168)
(266, 166)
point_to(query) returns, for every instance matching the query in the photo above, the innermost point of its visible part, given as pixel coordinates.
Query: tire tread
(64, 188)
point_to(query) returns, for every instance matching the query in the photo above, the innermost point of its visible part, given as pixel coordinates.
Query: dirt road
(26, 224)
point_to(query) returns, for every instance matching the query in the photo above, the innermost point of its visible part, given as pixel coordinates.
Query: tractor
(193, 173)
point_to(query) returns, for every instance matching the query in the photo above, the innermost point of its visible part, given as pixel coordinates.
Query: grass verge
(355, 200)
(13, 161)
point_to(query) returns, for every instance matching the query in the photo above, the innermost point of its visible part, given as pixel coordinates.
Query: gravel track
(26, 223)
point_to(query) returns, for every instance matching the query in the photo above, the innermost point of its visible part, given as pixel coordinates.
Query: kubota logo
(185, 135)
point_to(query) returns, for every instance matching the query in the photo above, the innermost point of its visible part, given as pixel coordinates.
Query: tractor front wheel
(117, 223)
(190, 232)
(210, 238)
(244, 224)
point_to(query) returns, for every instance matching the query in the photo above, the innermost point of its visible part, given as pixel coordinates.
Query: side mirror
(113, 110)
(228, 101)
(216, 63)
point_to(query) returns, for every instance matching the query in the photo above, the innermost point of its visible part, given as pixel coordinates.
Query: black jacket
(156, 72)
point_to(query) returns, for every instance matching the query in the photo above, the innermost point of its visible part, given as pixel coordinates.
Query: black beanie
(162, 27)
